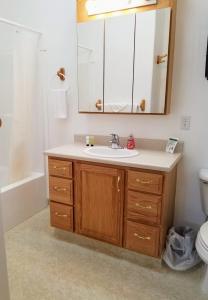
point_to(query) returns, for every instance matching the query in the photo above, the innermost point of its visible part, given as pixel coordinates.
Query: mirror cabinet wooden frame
(82, 16)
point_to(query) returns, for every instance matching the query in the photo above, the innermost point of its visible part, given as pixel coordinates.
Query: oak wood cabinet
(99, 202)
(127, 207)
(61, 194)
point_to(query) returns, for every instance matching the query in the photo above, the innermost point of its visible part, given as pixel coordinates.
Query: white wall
(190, 90)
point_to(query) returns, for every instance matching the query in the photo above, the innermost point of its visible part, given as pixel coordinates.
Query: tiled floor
(48, 264)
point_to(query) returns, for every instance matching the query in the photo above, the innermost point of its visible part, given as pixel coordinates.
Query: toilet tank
(203, 175)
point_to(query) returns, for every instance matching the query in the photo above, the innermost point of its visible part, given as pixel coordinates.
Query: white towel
(117, 107)
(60, 104)
(120, 107)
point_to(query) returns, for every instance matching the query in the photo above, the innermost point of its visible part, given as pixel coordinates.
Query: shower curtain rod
(2, 20)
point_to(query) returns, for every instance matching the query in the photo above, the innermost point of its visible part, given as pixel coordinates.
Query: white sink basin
(110, 153)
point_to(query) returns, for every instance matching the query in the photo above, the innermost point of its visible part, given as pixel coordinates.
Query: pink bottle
(131, 142)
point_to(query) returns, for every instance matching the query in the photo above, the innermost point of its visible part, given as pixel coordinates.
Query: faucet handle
(114, 138)
(114, 135)
(115, 141)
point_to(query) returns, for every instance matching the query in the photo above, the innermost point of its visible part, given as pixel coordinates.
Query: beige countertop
(146, 159)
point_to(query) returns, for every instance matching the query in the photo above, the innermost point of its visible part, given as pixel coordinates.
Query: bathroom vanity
(128, 202)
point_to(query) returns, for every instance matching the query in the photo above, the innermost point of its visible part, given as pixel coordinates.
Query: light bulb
(104, 6)
(90, 5)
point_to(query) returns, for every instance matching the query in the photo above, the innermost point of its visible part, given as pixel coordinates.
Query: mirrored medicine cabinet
(125, 63)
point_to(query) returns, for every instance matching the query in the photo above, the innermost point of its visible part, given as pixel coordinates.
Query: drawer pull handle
(59, 168)
(145, 238)
(59, 189)
(118, 184)
(143, 207)
(146, 182)
(60, 216)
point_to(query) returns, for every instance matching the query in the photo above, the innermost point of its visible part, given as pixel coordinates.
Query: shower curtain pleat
(25, 64)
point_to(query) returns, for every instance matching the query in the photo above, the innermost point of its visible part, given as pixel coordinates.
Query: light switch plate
(186, 123)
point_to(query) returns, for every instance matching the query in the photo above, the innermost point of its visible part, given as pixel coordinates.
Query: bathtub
(23, 199)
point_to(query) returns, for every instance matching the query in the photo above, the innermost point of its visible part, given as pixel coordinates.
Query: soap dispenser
(131, 142)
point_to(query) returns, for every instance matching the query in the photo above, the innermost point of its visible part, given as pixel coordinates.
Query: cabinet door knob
(59, 168)
(143, 105)
(145, 238)
(60, 216)
(143, 207)
(59, 189)
(99, 104)
(143, 181)
(118, 184)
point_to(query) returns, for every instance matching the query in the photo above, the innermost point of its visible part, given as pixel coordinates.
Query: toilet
(202, 238)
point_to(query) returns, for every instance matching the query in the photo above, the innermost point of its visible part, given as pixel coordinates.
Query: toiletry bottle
(87, 141)
(92, 141)
(131, 142)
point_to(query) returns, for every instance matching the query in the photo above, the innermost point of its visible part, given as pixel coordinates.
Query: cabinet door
(161, 55)
(90, 66)
(99, 203)
(151, 60)
(119, 56)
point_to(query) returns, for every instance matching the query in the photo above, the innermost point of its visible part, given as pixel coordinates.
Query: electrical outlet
(186, 123)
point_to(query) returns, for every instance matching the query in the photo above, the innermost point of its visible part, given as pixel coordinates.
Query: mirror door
(161, 54)
(90, 66)
(151, 61)
(119, 58)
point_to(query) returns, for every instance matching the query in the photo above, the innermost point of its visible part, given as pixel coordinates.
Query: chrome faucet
(115, 142)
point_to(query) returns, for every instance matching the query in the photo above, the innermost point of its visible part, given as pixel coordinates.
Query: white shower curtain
(25, 85)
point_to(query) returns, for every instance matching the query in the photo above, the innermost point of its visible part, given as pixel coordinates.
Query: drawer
(144, 207)
(142, 238)
(61, 216)
(61, 190)
(60, 168)
(145, 182)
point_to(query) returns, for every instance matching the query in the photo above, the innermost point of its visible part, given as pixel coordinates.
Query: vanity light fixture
(95, 7)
